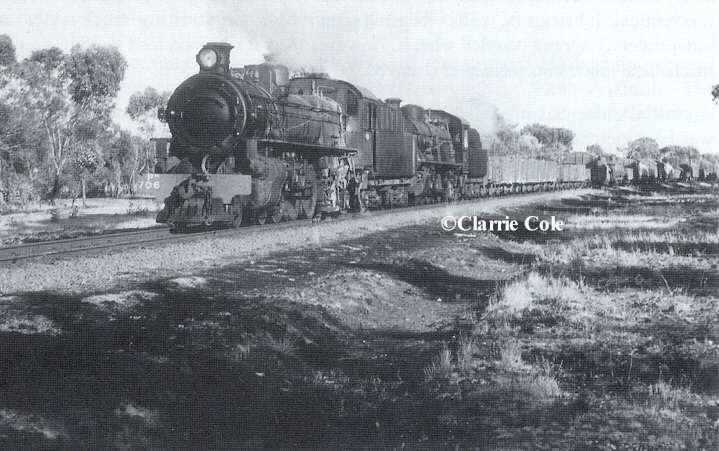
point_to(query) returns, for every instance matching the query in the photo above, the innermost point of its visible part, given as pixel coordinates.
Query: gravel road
(120, 269)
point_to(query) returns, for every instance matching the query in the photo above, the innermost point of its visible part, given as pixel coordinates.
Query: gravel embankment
(100, 273)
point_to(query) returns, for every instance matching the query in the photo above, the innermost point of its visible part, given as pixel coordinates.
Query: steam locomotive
(253, 144)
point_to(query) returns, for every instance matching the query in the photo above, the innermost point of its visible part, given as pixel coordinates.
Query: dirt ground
(66, 219)
(602, 336)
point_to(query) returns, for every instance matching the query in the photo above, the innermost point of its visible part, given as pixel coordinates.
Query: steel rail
(158, 234)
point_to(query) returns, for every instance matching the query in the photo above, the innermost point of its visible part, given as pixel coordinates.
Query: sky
(611, 71)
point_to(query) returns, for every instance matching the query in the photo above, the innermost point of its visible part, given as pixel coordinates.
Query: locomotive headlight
(207, 58)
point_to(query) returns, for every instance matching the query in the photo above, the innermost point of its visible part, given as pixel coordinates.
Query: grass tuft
(663, 396)
(511, 356)
(536, 385)
(467, 350)
(442, 367)
(286, 344)
(240, 351)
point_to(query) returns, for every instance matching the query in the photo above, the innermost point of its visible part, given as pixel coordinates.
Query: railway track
(114, 240)
(160, 234)
(12, 254)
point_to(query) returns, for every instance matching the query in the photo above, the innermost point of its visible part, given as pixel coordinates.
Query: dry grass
(240, 351)
(466, 352)
(601, 252)
(608, 257)
(662, 395)
(511, 356)
(644, 359)
(539, 300)
(28, 324)
(122, 301)
(636, 361)
(285, 345)
(128, 409)
(332, 379)
(537, 287)
(631, 222)
(535, 385)
(30, 423)
(555, 361)
(669, 236)
(639, 236)
(441, 367)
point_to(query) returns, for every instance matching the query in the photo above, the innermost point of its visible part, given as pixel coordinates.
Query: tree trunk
(55, 189)
(132, 183)
(83, 186)
(118, 181)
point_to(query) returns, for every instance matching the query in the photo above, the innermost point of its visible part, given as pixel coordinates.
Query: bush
(136, 210)
(17, 190)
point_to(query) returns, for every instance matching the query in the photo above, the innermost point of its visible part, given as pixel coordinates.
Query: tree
(528, 144)
(50, 59)
(39, 92)
(19, 146)
(506, 137)
(18, 157)
(677, 155)
(710, 163)
(556, 137)
(7, 51)
(715, 93)
(67, 99)
(121, 159)
(545, 135)
(142, 109)
(596, 150)
(565, 137)
(642, 148)
(95, 74)
(86, 161)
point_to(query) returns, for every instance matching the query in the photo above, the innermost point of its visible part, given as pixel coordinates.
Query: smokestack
(393, 102)
(282, 75)
(282, 80)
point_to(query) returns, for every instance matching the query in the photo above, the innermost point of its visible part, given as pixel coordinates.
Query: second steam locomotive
(252, 144)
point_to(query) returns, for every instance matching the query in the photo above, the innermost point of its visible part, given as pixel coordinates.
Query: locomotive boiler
(243, 147)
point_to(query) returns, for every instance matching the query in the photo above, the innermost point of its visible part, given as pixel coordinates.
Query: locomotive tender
(252, 144)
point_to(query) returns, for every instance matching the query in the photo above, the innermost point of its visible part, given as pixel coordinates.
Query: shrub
(442, 366)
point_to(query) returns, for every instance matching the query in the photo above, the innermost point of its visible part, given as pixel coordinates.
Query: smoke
(301, 35)
(484, 118)
(392, 51)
